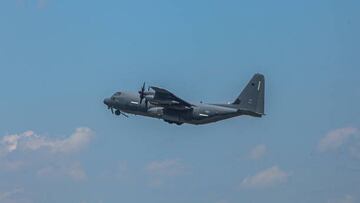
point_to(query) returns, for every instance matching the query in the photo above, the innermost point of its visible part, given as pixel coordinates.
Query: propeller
(142, 93)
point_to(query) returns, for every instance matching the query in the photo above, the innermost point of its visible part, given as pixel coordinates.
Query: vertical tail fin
(252, 97)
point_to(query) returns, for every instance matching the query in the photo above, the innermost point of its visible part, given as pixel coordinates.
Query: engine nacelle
(149, 97)
(156, 111)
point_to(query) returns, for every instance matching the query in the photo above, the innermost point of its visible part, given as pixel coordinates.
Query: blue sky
(59, 59)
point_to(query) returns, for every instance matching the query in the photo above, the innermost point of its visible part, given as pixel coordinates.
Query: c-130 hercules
(162, 104)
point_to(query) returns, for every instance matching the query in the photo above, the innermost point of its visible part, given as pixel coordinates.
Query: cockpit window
(115, 95)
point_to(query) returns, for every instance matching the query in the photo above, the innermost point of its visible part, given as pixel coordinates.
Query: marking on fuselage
(259, 85)
(205, 115)
(134, 102)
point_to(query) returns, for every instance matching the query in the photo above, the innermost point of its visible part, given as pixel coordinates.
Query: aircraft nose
(107, 101)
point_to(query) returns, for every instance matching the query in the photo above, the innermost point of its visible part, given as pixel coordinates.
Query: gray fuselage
(198, 114)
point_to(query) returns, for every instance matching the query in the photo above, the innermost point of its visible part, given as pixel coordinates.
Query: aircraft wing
(168, 99)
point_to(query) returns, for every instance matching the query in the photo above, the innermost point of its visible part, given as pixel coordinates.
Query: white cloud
(269, 177)
(9, 143)
(258, 152)
(335, 139)
(31, 142)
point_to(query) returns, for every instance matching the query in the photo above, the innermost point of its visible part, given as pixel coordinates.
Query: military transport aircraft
(162, 104)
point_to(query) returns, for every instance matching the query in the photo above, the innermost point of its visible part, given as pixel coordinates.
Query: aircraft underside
(180, 117)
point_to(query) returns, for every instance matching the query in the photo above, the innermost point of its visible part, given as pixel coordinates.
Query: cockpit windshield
(115, 95)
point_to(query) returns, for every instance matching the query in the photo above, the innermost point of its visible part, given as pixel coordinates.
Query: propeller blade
(143, 87)
(142, 92)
